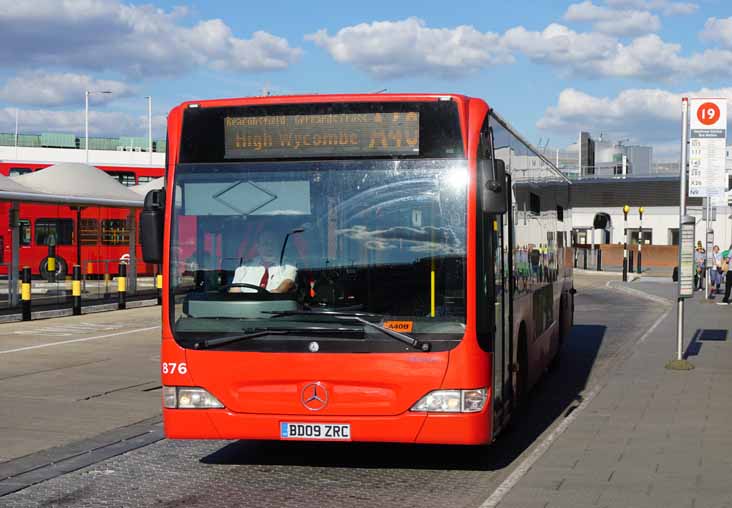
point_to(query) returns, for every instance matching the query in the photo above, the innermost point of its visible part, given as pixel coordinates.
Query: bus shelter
(77, 186)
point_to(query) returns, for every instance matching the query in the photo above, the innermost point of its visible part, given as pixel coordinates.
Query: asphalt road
(70, 378)
(241, 473)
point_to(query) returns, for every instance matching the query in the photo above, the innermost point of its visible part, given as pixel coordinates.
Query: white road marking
(523, 468)
(49, 344)
(71, 329)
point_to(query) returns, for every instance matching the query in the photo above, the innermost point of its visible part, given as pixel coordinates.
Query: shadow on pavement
(553, 398)
(695, 345)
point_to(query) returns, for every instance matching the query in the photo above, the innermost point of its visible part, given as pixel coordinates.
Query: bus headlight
(186, 397)
(452, 401)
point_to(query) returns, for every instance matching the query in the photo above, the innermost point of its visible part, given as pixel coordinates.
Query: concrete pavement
(651, 437)
(71, 378)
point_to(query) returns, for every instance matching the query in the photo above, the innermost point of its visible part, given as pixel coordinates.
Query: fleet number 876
(175, 368)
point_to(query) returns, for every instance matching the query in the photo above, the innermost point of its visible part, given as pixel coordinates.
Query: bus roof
(325, 98)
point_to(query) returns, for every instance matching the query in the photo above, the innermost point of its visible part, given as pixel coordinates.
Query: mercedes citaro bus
(421, 256)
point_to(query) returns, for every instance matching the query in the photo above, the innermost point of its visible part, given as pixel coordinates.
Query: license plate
(316, 431)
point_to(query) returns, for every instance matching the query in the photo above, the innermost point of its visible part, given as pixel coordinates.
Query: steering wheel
(260, 290)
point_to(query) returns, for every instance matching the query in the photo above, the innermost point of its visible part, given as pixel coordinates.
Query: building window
(24, 228)
(534, 203)
(54, 232)
(114, 232)
(89, 231)
(673, 236)
(560, 213)
(145, 179)
(634, 235)
(126, 178)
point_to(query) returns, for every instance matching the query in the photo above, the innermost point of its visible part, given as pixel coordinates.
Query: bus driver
(264, 269)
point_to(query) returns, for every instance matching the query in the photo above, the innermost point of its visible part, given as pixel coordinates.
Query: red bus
(103, 231)
(421, 257)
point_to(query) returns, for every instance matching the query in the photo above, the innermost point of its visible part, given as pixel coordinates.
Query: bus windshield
(256, 244)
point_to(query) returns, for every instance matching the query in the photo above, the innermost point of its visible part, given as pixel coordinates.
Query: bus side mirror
(151, 224)
(494, 190)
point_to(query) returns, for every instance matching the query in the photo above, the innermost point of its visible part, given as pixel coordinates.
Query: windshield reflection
(380, 237)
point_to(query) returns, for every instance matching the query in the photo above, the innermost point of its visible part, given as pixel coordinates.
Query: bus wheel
(61, 268)
(565, 328)
(522, 374)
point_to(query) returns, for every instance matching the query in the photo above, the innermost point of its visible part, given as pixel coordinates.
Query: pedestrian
(715, 271)
(726, 259)
(699, 262)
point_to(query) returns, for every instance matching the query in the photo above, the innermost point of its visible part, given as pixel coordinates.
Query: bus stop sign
(686, 257)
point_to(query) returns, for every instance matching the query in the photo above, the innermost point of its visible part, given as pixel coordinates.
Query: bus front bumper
(424, 428)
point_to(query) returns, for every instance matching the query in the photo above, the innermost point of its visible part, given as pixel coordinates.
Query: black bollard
(122, 287)
(51, 263)
(76, 290)
(25, 293)
(159, 287)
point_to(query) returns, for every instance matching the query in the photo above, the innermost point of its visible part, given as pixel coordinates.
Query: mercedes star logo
(314, 397)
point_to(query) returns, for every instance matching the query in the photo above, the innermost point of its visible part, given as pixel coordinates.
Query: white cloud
(597, 55)
(49, 89)
(666, 7)
(611, 21)
(718, 30)
(646, 115)
(101, 123)
(389, 49)
(137, 40)
(393, 49)
(680, 8)
(558, 45)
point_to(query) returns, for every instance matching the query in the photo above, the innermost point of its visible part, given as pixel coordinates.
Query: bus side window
(114, 232)
(126, 178)
(24, 227)
(60, 230)
(89, 231)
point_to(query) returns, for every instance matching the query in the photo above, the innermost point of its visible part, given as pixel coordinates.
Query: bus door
(493, 297)
(502, 349)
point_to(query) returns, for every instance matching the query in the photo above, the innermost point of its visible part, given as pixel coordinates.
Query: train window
(60, 231)
(114, 232)
(89, 231)
(24, 227)
(19, 171)
(126, 178)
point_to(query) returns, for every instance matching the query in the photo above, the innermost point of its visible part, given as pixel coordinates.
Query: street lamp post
(640, 240)
(87, 93)
(149, 127)
(626, 209)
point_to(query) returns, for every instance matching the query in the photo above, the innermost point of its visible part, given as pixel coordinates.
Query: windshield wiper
(359, 317)
(318, 330)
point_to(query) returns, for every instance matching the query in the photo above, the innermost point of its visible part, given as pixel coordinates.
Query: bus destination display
(330, 135)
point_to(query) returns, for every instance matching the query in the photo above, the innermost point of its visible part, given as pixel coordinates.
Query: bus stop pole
(682, 213)
(132, 265)
(78, 235)
(680, 363)
(14, 268)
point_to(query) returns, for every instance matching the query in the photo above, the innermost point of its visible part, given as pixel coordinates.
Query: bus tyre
(61, 268)
(565, 328)
(522, 374)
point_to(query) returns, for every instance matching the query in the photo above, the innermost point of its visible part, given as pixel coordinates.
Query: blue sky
(551, 68)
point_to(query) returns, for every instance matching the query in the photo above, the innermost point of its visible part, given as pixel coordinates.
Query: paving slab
(669, 436)
(71, 378)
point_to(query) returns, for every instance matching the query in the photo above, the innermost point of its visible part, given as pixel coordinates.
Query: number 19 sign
(707, 145)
